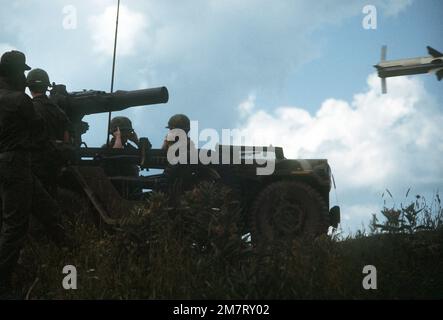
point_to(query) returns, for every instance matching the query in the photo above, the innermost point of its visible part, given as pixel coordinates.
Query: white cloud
(246, 107)
(376, 141)
(208, 53)
(131, 30)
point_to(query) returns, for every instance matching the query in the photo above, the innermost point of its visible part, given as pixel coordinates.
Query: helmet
(38, 78)
(123, 123)
(14, 60)
(179, 121)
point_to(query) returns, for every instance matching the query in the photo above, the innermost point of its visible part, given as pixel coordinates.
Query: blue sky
(292, 73)
(348, 53)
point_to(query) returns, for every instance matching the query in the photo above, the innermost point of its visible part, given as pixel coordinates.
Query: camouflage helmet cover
(38, 77)
(179, 121)
(123, 123)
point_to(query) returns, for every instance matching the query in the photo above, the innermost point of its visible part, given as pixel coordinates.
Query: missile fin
(384, 50)
(434, 53)
(384, 88)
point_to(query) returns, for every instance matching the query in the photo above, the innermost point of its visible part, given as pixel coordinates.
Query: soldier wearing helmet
(47, 160)
(177, 121)
(175, 142)
(20, 192)
(122, 133)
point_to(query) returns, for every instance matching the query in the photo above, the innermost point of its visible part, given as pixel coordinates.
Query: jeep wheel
(286, 210)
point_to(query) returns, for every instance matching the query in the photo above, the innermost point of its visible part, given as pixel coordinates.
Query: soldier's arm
(134, 138)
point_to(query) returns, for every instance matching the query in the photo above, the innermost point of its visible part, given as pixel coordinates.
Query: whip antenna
(113, 69)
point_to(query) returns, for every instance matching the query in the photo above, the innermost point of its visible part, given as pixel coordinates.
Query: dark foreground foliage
(193, 249)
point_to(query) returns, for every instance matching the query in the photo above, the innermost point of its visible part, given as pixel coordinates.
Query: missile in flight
(404, 67)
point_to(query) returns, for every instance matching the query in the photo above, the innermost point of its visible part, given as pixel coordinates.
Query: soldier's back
(55, 120)
(16, 119)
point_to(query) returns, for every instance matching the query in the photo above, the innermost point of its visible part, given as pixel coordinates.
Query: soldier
(186, 175)
(47, 159)
(20, 192)
(122, 132)
(178, 121)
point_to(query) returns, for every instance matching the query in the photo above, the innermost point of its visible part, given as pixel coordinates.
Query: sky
(292, 73)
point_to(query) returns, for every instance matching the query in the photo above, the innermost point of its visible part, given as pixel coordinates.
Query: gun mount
(292, 201)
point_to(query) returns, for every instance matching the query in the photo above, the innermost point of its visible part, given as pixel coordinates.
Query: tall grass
(416, 215)
(192, 248)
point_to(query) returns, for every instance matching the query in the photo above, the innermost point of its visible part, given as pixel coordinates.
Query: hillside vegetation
(192, 248)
